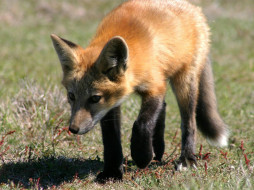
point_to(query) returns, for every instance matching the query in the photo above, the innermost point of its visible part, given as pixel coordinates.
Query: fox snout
(81, 122)
(74, 129)
(80, 129)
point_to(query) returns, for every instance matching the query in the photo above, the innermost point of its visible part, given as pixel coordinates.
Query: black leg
(158, 136)
(142, 132)
(113, 156)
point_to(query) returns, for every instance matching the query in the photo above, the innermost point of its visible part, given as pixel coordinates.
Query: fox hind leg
(185, 87)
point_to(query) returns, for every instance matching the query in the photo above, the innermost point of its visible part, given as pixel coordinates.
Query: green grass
(36, 150)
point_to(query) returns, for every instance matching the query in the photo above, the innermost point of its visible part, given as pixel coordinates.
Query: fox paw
(141, 153)
(141, 146)
(141, 159)
(186, 162)
(157, 158)
(103, 177)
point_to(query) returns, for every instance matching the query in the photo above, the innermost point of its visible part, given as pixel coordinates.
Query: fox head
(94, 78)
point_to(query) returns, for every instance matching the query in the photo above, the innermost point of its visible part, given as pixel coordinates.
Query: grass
(36, 150)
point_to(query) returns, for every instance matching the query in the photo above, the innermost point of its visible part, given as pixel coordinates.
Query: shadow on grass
(48, 172)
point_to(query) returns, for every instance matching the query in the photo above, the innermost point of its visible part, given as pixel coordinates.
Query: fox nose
(74, 129)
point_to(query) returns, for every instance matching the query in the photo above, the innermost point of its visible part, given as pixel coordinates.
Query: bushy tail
(208, 119)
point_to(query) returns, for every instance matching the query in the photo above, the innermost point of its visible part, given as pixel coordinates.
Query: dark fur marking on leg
(158, 136)
(113, 156)
(142, 132)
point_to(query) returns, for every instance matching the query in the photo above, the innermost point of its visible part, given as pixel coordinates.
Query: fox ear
(66, 53)
(113, 58)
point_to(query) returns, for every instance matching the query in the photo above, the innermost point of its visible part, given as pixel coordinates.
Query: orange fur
(164, 37)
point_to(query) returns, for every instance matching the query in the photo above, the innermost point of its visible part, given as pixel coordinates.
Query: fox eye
(95, 99)
(71, 96)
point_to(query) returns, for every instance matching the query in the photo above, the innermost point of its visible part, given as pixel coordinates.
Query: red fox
(137, 48)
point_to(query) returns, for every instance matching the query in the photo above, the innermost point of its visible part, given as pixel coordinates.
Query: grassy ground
(36, 150)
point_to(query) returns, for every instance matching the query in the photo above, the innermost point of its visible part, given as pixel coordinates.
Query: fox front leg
(113, 156)
(143, 129)
(158, 134)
